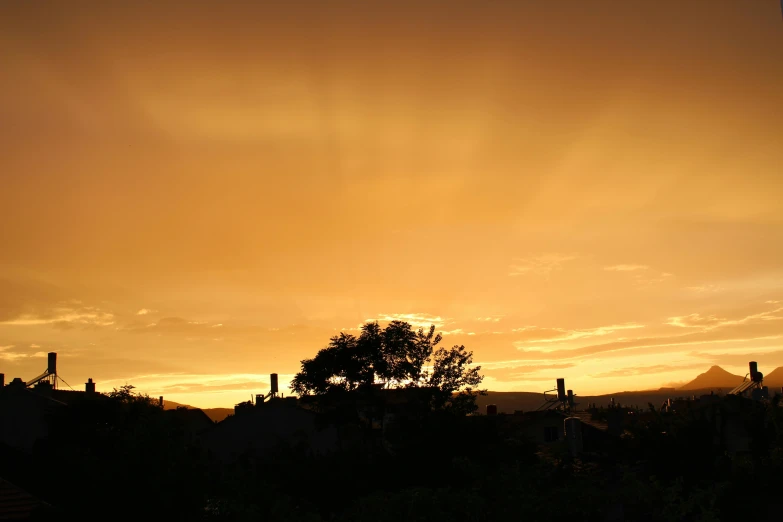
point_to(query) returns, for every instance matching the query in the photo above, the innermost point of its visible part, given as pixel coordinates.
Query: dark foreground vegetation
(126, 459)
(123, 457)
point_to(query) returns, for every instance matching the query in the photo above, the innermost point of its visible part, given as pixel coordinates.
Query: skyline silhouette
(369, 414)
(325, 367)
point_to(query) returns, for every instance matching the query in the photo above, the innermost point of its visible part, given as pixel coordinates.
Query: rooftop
(16, 503)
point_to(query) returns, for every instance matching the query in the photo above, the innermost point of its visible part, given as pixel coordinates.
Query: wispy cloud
(456, 331)
(696, 320)
(643, 275)
(646, 370)
(66, 317)
(674, 384)
(12, 356)
(414, 319)
(626, 268)
(145, 311)
(540, 265)
(214, 386)
(515, 371)
(7, 353)
(707, 288)
(557, 335)
(522, 366)
(767, 359)
(653, 279)
(179, 383)
(171, 325)
(750, 328)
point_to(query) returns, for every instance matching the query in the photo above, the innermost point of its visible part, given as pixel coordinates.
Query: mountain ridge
(714, 379)
(215, 414)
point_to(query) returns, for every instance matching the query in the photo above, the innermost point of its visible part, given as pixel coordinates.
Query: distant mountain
(774, 379)
(171, 405)
(714, 378)
(216, 414)
(507, 402)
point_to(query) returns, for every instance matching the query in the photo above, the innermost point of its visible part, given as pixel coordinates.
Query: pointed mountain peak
(775, 377)
(715, 377)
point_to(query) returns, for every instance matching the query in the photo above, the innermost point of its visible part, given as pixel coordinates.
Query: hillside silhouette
(775, 378)
(715, 377)
(215, 414)
(510, 402)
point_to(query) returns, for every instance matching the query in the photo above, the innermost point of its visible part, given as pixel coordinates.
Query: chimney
(52, 366)
(754, 369)
(273, 383)
(160, 401)
(571, 398)
(2, 380)
(561, 394)
(89, 386)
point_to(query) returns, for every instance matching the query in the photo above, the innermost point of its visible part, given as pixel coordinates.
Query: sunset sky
(198, 194)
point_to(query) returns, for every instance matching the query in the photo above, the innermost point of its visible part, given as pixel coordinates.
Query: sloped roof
(68, 396)
(587, 418)
(14, 393)
(16, 503)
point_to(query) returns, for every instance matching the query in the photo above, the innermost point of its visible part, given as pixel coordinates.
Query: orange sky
(196, 196)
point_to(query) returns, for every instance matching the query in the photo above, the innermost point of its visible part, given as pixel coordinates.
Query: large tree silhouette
(393, 357)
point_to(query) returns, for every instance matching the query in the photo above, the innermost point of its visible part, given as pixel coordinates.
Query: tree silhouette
(393, 357)
(125, 394)
(452, 372)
